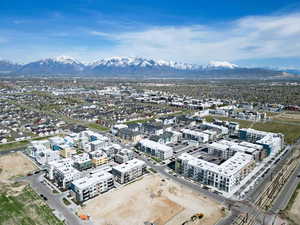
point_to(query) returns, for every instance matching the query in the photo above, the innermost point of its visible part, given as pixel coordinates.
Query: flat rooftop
(92, 179)
(128, 166)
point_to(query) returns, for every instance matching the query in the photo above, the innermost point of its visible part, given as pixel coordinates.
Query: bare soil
(153, 200)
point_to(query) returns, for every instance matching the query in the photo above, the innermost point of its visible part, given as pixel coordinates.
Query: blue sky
(246, 32)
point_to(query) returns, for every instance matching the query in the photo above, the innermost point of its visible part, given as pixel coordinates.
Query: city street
(54, 200)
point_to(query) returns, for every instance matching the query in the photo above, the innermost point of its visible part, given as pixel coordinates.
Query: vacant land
(154, 200)
(291, 130)
(287, 116)
(14, 165)
(19, 204)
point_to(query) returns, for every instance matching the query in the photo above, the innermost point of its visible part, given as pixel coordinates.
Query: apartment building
(67, 152)
(220, 129)
(82, 161)
(271, 142)
(64, 176)
(224, 177)
(98, 145)
(98, 158)
(195, 135)
(220, 150)
(90, 186)
(62, 172)
(52, 166)
(128, 171)
(156, 149)
(124, 155)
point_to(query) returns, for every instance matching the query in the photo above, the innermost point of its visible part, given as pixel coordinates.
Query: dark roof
(129, 132)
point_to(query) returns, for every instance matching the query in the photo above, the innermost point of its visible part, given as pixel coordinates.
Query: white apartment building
(223, 130)
(64, 175)
(90, 186)
(219, 149)
(271, 142)
(98, 145)
(51, 166)
(124, 155)
(156, 149)
(224, 177)
(195, 135)
(42, 153)
(128, 171)
(62, 172)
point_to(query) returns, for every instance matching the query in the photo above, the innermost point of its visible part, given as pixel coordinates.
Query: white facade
(223, 177)
(128, 171)
(90, 186)
(156, 149)
(195, 135)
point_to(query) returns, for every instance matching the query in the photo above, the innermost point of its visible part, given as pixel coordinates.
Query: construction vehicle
(84, 217)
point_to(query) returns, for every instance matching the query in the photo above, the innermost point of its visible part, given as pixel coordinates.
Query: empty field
(19, 204)
(154, 200)
(14, 165)
(293, 117)
(290, 129)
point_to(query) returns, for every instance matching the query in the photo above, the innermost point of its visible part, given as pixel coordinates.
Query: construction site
(152, 200)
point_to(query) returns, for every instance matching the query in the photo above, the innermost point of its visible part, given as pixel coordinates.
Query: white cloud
(246, 38)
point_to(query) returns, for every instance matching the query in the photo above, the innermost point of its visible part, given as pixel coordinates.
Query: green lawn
(138, 121)
(26, 208)
(97, 127)
(20, 144)
(291, 131)
(156, 117)
(13, 145)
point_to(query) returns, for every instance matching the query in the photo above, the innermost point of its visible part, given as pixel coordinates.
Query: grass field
(19, 204)
(19, 144)
(290, 130)
(26, 208)
(97, 127)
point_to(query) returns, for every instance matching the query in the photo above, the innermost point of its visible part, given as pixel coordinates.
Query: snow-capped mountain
(135, 67)
(221, 65)
(8, 66)
(58, 65)
(141, 62)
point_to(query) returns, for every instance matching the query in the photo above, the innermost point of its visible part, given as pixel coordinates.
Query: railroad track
(266, 198)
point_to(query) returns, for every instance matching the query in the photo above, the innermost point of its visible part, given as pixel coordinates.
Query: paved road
(54, 200)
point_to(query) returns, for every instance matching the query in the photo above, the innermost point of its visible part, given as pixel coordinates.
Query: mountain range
(135, 67)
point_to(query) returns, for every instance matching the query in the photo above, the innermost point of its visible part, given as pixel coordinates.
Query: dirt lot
(288, 116)
(154, 200)
(13, 165)
(19, 204)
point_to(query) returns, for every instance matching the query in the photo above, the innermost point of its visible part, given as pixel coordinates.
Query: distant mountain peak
(118, 61)
(221, 64)
(135, 66)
